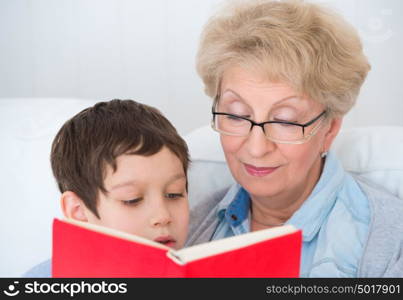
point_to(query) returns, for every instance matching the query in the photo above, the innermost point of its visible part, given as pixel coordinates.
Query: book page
(219, 246)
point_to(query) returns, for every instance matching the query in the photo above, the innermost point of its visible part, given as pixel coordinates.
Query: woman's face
(262, 167)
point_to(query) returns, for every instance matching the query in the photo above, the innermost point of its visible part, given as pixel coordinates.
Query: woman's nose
(257, 144)
(160, 216)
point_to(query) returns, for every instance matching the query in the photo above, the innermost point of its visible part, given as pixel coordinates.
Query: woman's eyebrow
(276, 102)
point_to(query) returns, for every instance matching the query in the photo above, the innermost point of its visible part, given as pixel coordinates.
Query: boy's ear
(73, 207)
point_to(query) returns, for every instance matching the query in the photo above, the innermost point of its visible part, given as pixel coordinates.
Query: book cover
(87, 250)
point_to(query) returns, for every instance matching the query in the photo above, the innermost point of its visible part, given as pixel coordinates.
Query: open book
(86, 250)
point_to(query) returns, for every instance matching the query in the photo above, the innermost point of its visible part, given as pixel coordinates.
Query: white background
(143, 50)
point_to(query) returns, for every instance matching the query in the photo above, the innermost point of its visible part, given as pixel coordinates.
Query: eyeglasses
(281, 132)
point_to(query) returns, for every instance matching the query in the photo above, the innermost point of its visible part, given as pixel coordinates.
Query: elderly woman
(282, 75)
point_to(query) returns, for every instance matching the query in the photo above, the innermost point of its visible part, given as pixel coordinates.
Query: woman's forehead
(252, 88)
(265, 101)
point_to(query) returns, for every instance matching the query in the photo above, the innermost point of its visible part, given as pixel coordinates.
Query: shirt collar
(309, 217)
(235, 206)
(312, 213)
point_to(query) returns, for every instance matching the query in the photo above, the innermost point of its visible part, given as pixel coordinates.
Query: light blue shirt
(334, 221)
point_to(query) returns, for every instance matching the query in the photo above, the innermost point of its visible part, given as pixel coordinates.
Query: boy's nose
(160, 217)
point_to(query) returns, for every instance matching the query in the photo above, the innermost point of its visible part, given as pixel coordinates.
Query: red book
(87, 250)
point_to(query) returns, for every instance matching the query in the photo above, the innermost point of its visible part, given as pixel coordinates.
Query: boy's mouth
(166, 240)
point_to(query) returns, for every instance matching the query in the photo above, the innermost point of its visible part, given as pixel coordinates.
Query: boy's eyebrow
(119, 185)
(133, 182)
(176, 177)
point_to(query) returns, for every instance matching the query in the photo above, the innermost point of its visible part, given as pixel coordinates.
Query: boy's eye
(132, 202)
(174, 195)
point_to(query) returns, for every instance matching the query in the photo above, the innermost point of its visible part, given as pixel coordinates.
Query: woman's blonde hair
(305, 45)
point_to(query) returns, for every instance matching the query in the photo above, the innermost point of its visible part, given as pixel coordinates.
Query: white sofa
(30, 199)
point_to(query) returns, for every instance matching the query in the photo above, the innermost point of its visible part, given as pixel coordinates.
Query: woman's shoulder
(43, 269)
(386, 209)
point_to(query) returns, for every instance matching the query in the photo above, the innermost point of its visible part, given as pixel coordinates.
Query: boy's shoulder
(42, 270)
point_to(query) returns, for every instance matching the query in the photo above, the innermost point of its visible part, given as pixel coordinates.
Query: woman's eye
(285, 120)
(131, 202)
(174, 195)
(285, 124)
(236, 118)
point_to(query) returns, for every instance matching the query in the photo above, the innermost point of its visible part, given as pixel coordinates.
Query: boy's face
(147, 197)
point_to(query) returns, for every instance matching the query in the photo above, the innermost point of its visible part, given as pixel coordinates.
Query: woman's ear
(73, 207)
(332, 131)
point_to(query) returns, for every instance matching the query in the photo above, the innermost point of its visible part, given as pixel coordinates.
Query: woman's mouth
(166, 240)
(259, 171)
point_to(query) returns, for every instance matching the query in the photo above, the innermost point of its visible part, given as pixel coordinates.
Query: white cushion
(29, 195)
(375, 153)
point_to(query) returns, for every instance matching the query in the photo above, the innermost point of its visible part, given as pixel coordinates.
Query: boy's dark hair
(96, 136)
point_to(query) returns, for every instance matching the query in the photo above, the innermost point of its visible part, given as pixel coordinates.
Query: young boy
(122, 164)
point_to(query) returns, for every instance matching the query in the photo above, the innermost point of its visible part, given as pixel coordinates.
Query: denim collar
(235, 206)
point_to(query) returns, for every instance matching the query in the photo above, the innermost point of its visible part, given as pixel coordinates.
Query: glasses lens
(231, 125)
(283, 132)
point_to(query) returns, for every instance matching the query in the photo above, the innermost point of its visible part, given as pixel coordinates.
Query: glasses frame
(253, 123)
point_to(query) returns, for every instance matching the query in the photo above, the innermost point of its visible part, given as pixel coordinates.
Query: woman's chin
(261, 189)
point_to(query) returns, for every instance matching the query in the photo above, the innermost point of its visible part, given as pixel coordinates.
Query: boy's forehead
(133, 169)
(138, 182)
